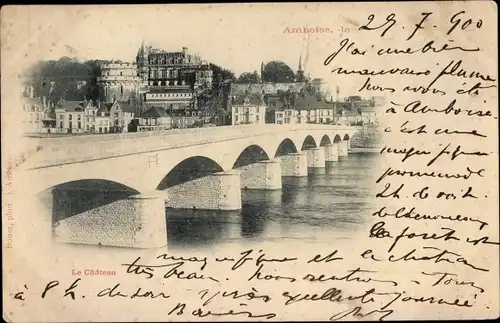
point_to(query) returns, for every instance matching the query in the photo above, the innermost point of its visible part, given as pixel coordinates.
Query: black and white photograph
(250, 162)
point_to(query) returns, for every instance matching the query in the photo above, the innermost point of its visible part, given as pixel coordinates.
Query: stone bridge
(112, 189)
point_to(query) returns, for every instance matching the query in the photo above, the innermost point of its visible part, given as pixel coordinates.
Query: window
(61, 125)
(70, 117)
(79, 125)
(257, 118)
(236, 118)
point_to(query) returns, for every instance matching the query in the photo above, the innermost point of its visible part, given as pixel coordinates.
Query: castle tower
(261, 70)
(120, 81)
(142, 62)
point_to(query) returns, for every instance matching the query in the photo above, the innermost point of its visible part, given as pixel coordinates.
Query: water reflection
(191, 228)
(330, 203)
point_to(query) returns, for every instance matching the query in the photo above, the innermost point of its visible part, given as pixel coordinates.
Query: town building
(36, 111)
(80, 117)
(154, 119)
(346, 114)
(90, 113)
(185, 119)
(121, 115)
(248, 109)
(102, 120)
(357, 111)
(70, 116)
(369, 114)
(306, 108)
(266, 88)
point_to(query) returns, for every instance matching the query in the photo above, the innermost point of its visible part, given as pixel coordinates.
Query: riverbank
(364, 150)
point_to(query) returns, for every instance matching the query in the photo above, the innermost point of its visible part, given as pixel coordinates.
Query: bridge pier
(316, 158)
(137, 221)
(294, 164)
(331, 152)
(343, 148)
(218, 191)
(264, 175)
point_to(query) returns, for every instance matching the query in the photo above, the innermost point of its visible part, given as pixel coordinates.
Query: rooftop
(252, 99)
(265, 88)
(155, 112)
(311, 102)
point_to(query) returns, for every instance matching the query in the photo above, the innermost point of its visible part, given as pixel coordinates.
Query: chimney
(184, 50)
(98, 104)
(44, 101)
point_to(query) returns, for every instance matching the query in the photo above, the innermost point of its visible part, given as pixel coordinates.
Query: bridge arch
(250, 155)
(325, 140)
(346, 137)
(287, 146)
(309, 143)
(189, 169)
(80, 196)
(337, 138)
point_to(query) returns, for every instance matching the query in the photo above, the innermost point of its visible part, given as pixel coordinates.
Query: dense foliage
(67, 78)
(277, 72)
(249, 78)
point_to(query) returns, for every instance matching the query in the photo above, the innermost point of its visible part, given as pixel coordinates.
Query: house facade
(70, 116)
(154, 119)
(248, 109)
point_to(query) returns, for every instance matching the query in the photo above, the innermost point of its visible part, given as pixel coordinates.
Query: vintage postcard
(250, 162)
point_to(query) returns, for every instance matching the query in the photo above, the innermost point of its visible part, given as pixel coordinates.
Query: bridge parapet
(71, 149)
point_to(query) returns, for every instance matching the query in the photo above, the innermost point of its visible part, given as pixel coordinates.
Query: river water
(331, 204)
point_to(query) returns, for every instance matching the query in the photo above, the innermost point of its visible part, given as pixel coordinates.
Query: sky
(235, 36)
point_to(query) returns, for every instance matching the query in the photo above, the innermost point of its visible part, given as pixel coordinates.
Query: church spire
(300, 72)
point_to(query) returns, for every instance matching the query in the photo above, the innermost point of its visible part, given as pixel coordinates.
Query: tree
(249, 78)
(62, 77)
(222, 74)
(221, 116)
(277, 72)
